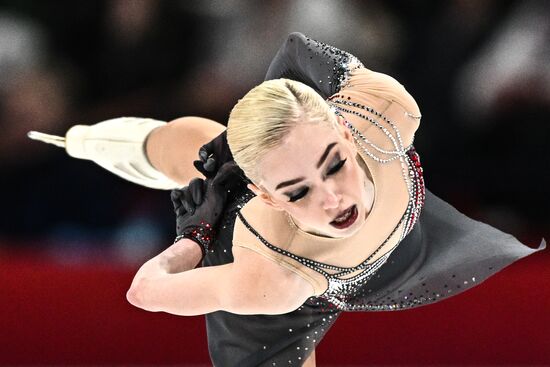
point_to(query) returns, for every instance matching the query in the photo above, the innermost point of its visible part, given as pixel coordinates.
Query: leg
(148, 152)
(172, 148)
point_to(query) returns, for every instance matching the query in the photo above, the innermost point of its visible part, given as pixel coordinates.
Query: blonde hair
(263, 117)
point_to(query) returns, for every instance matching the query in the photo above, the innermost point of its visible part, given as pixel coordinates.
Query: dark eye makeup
(331, 171)
(336, 167)
(300, 195)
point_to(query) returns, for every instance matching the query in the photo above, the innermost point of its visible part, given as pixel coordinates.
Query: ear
(265, 197)
(342, 129)
(348, 136)
(346, 133)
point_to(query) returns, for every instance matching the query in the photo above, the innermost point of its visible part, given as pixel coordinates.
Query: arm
(328, 70)
(167, 283)
(320, 66)
(249, 285)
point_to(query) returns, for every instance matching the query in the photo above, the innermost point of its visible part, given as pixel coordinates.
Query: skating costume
(413, 249)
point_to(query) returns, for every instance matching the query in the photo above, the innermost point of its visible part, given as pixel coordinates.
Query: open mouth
(346, 219)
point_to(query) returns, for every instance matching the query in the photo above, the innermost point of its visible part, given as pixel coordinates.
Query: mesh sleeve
(322, 67)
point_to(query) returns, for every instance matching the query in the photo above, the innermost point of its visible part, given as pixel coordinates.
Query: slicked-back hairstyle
(264, 116)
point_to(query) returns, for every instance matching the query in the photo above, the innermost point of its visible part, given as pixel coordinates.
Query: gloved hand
(200, 205)
(213, 155)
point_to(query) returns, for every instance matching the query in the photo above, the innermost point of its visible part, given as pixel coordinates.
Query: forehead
(298, 153)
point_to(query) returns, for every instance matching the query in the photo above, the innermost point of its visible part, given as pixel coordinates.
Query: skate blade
(58, 141)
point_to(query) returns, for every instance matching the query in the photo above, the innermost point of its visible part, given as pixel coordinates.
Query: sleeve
(322, 67)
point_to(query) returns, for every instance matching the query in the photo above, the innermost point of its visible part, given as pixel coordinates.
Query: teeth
(344, 217)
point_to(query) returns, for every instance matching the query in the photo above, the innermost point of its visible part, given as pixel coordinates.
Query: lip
(349, 221)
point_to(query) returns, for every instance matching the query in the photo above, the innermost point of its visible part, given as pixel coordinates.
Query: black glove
(213, 155)
(200, 205)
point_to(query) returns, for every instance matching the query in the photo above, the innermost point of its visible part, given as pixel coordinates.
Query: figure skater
(313, 202)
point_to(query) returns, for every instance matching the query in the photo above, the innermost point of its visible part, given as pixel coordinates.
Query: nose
(331, 199)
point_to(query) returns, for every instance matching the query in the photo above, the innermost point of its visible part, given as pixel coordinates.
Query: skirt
(445, 254)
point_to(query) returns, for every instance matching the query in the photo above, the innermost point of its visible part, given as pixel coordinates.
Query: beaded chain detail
(339, 290)
(342, 293)
(400, 150)
(410, 160)
(419, 188)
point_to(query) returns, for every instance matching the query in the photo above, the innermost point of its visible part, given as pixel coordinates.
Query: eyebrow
(321, 161)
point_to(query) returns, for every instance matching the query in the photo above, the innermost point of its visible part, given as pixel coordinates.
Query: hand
(213, 155)
(200, 205)
(186, 199)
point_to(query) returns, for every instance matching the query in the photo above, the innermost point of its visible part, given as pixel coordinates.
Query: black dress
(443, 254)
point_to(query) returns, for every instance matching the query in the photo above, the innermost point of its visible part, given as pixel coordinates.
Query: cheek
(354, 178)
(302, 211)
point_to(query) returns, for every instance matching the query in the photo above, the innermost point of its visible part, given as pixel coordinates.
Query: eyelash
(332, 171)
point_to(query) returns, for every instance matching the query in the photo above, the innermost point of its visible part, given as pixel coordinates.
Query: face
(315, 176)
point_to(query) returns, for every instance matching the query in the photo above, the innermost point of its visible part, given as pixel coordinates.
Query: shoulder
(260, 231)
(385, 87)
(382, 95)
(262, 286)
(296, 37)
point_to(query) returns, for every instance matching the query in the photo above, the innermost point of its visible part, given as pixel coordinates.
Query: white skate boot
(118, 145)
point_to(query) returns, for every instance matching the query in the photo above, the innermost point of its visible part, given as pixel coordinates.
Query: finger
(210, 164)
(187, 201)
(181, 211)
(199, 165)
(196, 187)
(227, 172)
(178, 208)
(175, 198)
(175, 195)
(203, 153)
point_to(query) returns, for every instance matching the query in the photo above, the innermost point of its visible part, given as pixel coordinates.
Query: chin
(353, 229)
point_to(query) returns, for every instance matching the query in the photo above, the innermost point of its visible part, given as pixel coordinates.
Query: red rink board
(53, 313)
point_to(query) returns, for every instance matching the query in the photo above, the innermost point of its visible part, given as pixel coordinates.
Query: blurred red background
(56, 313)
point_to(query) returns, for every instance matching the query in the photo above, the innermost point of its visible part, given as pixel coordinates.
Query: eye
(337, 167)
(299, 195)
(332, 171)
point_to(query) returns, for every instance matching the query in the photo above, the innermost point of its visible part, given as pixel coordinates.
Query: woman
(332, 215)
